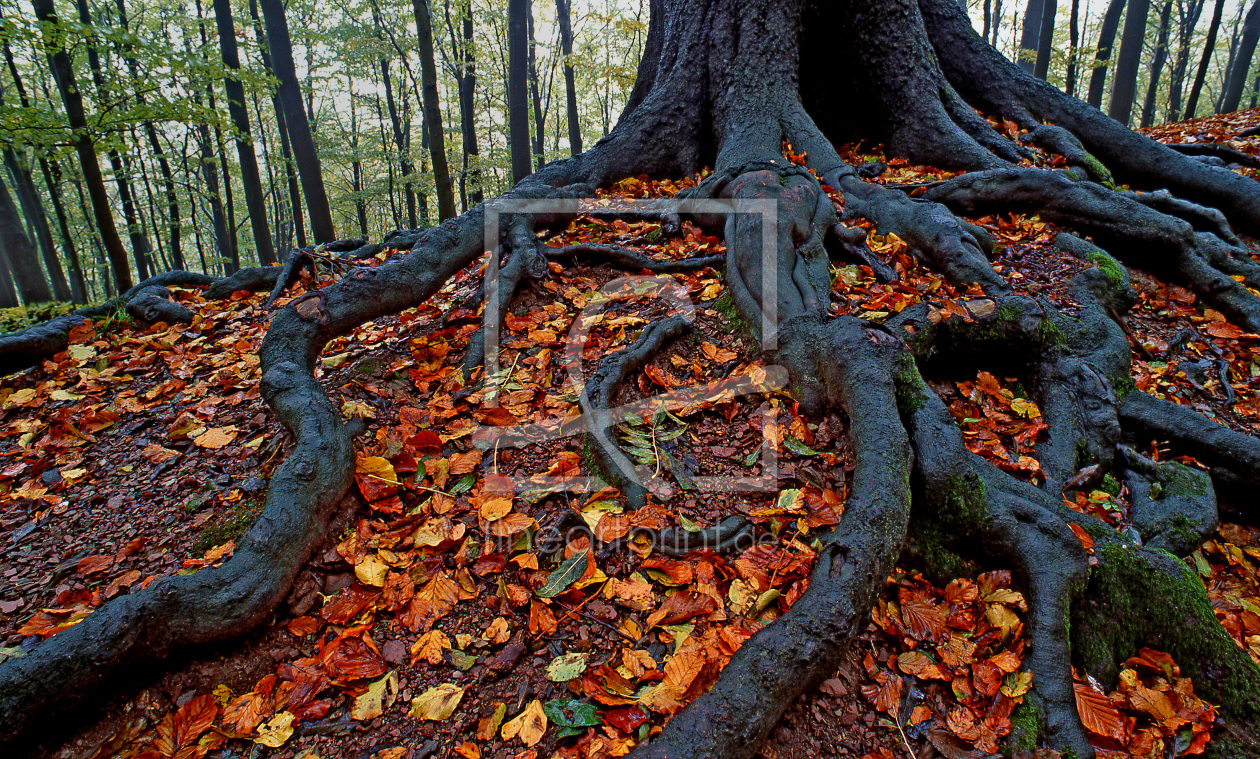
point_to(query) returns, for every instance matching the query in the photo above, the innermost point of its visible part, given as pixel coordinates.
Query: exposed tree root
(632, 259)
(721, 87)
(597, 407)
(148, 301)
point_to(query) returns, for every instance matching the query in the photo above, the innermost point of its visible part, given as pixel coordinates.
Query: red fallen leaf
(678, 572)
(192, 719)
(682, 605)
(303, 626)
(490, 563)
(625, 718)
(1098, 715)
(90, 565)
(133, 546)
(924, 620)
(1087, 542)
(245, 712)
(430, 603)
(347, 604)
(425, 442)
(353, 659)
(497, 417)
(541, 620)
(987, 678)
(1157, 661)
(1224, 330)
(886, 693)
(658, 376)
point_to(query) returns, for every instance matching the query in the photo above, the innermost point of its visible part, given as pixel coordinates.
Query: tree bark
(1124, 84)
(19, 252)
(518, 89)
(563, 8)
(33, 209)
(286, 152)
(63, 73)
(1187, 20)
(1209, 47)
(433, 112)
(400, 140)
(290, 94)
(1030, 35)
(1241, 69)
(1074, 50)
(1157, 65)
(1045, 38)
(1102, 58)
(251, 181)
(540, 122)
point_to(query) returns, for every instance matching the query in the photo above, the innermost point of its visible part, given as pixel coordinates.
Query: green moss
(243, 515)
(1116, 276)
(1109, 485)
(1027, 726)
(1179, 479)
(1122, 385)
(1049, 334)
(1182, 531)
(910, 388)
(927, 549)
(1144, 596)
(21, 317)
(725, 305)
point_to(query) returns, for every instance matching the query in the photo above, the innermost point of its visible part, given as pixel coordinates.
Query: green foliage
(21, 317)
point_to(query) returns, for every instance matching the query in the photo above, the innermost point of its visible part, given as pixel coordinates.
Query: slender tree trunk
(539, 122)
(1240, 72)
(94, 183)
(1209, 47)
(389, 166)
(20, 252)
(33, 209)
(356, 165)
(1157, 64)
(155, 145)
(1074, 48)
(1124, 85)
(570, 88)
(400, 141)
(433, 111)
(295, 120)
(1234, 34)
(997, 22)
(988, 21)
(1045, 38)
(518, 89)
(8, 295)
(78, 287)
(159, 262)
(126, 196)
(1102, 56)
(251, 182)
(1030, 35)
(467, 105)
(1187, 19)
(286, 152)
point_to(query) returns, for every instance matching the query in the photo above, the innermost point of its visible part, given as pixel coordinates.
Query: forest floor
(439, 623)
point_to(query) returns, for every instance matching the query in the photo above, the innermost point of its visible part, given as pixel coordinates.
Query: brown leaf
(1098, 715)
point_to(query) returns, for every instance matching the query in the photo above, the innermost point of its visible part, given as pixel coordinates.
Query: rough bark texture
(724, 84)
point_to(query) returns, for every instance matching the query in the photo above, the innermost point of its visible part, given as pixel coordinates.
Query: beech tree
(729, 85)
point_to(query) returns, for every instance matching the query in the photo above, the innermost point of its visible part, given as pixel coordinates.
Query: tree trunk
(1209, 48)
(290, 94)
(1241, 69)
(20, 253)
(1124, 85)
(1074, 49)
(63, 73)
(286, 152)
(433, 112)
(539, 121)
(570, 89)
(251, 181)
(1157, 65)
(1030, 35)
(1102, 58)
(1187, 20)
(518, 88)
(33, 209)
(1045, 38)
(467, 106)
(356, 163)
(8, 295)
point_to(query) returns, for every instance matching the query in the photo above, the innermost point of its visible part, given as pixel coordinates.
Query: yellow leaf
(1026, 409)
(359, 409)
(372, 702)
(488, 725)
(529, 725)
(437, 703)
(371, 571)
(430, 647)
(215, 437)
(276, 731)
(65, 395)
(495, 508)
(81, 353)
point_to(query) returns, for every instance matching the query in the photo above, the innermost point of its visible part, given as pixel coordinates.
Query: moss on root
(1142, 596)
(1027, 727)
(1116, 276)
